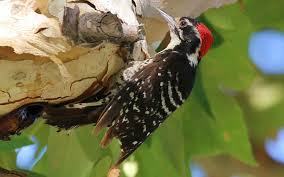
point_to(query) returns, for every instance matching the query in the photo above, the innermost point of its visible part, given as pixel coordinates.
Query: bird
(154, 88)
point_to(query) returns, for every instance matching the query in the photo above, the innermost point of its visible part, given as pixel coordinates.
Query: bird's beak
(171, 21)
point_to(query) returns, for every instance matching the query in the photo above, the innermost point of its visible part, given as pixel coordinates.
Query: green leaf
(265, 15)
(8, 159)
(199, 95)
(166, 153)
(65, 156)
(231, 126)
(16, 142)
(230, 63)
(228, 67)
(200, 131)
(101, 168)
(42, 166)
(90, 144)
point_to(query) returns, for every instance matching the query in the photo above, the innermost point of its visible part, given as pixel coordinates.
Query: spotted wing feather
(152, 94)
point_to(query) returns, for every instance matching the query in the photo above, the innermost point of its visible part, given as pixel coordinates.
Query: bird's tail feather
(64, 118)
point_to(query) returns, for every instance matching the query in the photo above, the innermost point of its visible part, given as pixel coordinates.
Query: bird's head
(188, 34)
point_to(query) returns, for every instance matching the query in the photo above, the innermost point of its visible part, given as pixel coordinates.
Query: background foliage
(213, 121)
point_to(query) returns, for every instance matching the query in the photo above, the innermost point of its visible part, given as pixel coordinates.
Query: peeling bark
(36, 70)
(27, 81)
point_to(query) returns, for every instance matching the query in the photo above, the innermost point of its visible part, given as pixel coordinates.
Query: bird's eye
(183, 23)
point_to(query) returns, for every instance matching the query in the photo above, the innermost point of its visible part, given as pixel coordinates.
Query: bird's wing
(145, 101)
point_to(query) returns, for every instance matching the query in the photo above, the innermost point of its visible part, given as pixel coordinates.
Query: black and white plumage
(154, 92)
(155, 88)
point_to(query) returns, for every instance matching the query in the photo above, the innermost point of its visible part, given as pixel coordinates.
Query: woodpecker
(156, 87)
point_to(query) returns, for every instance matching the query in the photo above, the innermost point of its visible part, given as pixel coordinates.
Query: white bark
(38, 64)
